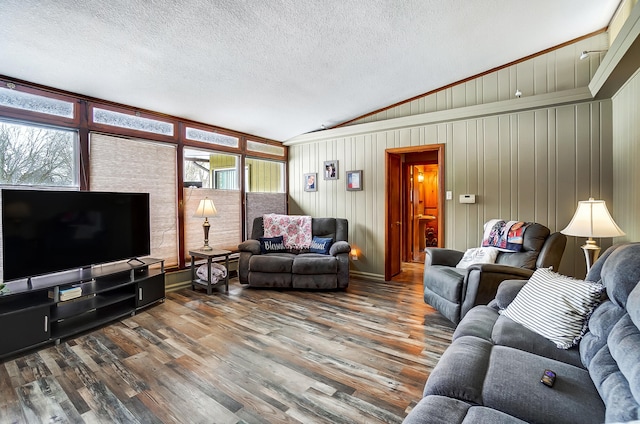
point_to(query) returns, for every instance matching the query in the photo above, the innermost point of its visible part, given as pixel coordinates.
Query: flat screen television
(50, 231)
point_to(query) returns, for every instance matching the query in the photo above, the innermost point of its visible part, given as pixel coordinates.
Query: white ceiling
(276, 68)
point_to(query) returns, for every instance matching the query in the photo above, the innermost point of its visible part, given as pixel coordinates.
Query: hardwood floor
(252, 356)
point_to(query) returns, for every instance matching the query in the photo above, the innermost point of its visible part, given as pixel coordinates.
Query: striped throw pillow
(555, 306)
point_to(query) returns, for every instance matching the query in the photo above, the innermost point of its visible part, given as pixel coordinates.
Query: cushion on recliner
(610, 348)
(475, 371)
(512, 385)
(485, 322)
(314, 263)
(271, 262)
(444, 410)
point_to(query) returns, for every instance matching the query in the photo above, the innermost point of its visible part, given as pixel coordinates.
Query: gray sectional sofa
(491, 372)
(298, 269)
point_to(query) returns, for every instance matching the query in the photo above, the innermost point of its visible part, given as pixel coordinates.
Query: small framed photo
(311, 181)
(331, 170)
(354, 180)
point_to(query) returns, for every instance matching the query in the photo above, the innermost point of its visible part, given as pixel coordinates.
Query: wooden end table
(209, 255)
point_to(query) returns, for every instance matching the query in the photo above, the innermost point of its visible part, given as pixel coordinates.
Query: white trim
(576, 95)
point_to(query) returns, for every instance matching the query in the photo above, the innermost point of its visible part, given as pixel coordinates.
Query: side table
(209, 255)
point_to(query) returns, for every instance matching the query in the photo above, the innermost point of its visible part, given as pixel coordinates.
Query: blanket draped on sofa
(295, 230)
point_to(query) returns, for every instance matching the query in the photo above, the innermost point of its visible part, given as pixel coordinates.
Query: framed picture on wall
(311, 181)
(331, 170)
(354, 180)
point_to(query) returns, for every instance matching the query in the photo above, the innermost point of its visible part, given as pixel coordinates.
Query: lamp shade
(206, 208)
(592, 219)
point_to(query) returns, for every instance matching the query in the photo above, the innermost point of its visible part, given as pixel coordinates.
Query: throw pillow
(478, 255)
(272, 245)
(321, 245)
(555, 306)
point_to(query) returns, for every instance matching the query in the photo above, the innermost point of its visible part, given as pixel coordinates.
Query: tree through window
(37, 156)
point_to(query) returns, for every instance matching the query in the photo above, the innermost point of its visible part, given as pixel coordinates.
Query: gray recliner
(294, 269)
(453, 291)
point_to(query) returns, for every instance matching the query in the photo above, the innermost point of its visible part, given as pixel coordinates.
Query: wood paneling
(554, 71)
(531, 163)
(626, 157)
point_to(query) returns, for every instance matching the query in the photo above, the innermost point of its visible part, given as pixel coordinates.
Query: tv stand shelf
(33, 313)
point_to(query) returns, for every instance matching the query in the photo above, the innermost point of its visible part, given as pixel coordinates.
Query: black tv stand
(48, 308)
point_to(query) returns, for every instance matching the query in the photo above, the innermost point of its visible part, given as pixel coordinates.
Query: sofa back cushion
(533, 240)
(610, 350)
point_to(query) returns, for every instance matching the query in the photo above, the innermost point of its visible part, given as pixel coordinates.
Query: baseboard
(366, 276)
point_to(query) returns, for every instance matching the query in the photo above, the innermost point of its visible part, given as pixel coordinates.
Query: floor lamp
(592, 219)
(206, 208)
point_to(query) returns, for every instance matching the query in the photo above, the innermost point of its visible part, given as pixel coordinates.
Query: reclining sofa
(298, 269)
(491, 373)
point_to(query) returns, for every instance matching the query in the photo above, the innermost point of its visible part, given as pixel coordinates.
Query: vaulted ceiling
(276, 68)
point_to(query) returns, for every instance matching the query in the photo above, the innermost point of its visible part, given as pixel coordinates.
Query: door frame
(397, 203)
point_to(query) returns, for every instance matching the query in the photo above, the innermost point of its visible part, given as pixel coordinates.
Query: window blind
(140, 166)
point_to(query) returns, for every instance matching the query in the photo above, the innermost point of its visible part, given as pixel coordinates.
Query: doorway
(414, 192)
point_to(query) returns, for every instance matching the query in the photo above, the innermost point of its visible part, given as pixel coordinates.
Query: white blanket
(218, 272)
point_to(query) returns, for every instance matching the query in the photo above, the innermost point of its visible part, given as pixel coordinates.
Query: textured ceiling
(276, 68)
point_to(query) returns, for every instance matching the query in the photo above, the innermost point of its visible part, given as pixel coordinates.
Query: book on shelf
(67, 294)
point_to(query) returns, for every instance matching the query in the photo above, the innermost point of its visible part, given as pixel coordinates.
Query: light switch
(449, 195)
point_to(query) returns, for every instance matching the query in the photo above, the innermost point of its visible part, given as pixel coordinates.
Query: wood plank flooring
(252, 356)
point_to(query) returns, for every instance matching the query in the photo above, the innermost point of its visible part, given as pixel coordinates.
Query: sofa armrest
(482, 281)
(441, 256)
(507, 291)
(339, 247)
(506, 270)
(252, 246)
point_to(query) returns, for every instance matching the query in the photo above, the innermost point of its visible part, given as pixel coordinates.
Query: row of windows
(43, 156)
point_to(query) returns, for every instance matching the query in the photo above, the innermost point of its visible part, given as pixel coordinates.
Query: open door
(393, 233)
(404, 224)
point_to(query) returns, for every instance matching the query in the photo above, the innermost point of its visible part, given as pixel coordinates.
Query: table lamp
(206, 208)
(592, 219)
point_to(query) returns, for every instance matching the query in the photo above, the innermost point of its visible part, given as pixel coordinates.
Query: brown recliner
(453, 291)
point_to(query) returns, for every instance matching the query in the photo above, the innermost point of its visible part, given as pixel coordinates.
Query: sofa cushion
(475, 371)
(314, 281)
(321, 245)
(445, 410)
(272, 245)
(621, 273)
(314, 263)
(485, 322)
(610, 348)
(272, 262)
(270, 279)
(555, 306)
(514, 375)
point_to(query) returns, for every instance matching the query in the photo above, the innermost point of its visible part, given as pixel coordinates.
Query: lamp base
(591, 252)
(205, 227)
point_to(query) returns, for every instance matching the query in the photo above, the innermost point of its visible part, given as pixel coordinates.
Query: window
(265, 190)
(38, 156)
(34, 103)
(214, 175)
(121, 164)
(211, 137)
(266, 176)
(132, 122)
